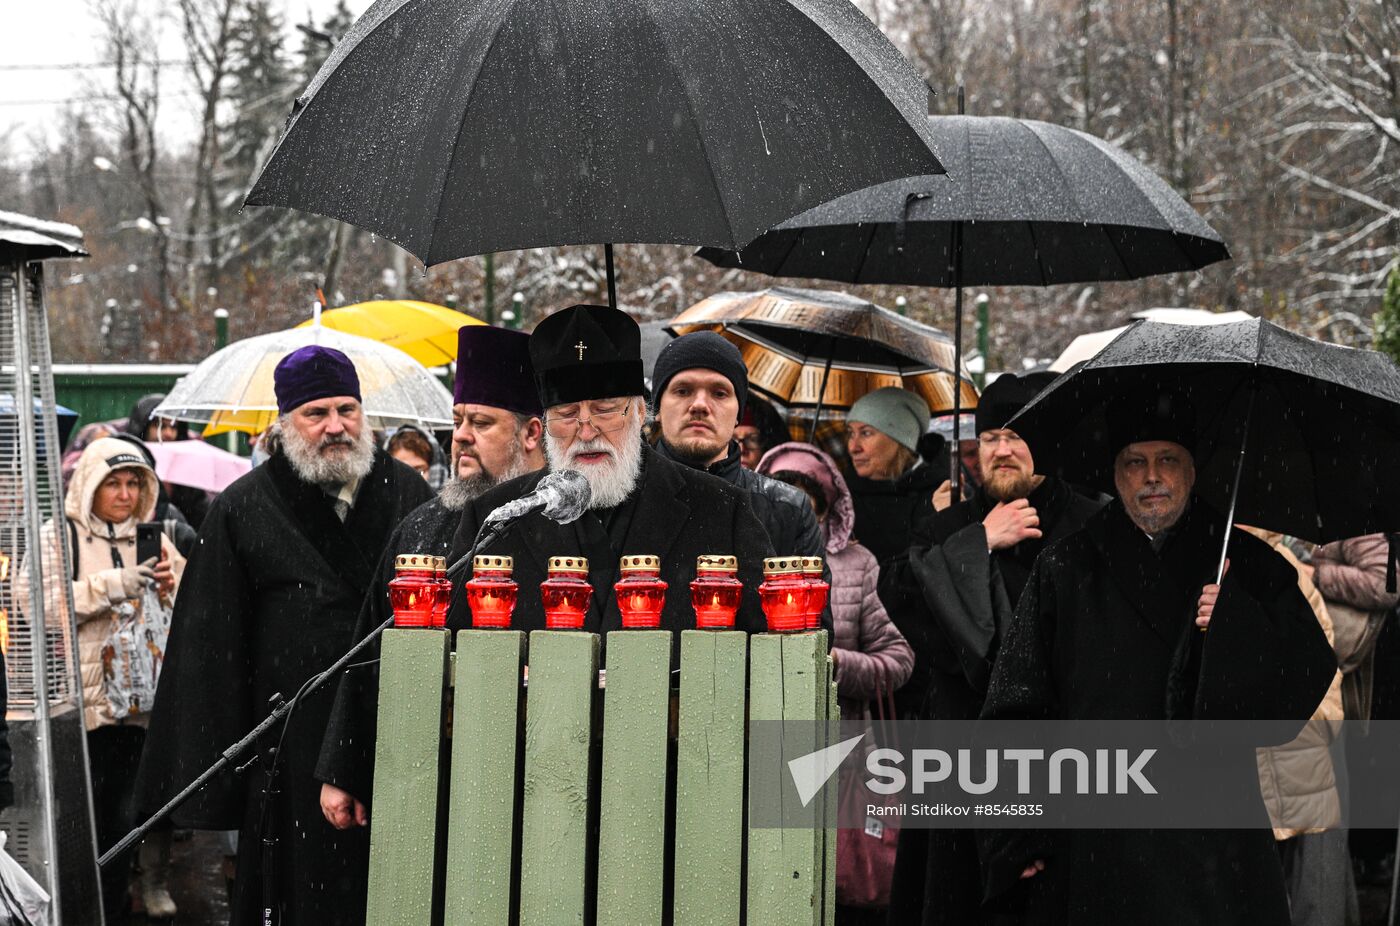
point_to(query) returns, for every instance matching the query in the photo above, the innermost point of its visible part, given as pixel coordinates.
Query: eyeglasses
(605, 419)
(750, 442)
(991, 440)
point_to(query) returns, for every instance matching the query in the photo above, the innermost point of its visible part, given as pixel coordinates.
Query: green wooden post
(558, 736)
(821, 675)
(481, 810)
(710, 778)
(784, 881)
(403, 832)
(833, 714)
(632, 813)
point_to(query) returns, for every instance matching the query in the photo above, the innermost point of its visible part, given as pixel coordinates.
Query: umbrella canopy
(197, 464)
(812, 349)
(1087, 345)
(232, 389)
(1322, 422)
(65, 419)
(1036, 204)
(457, 128)
(424, 331)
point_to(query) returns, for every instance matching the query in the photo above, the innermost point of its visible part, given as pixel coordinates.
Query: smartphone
(148, 541)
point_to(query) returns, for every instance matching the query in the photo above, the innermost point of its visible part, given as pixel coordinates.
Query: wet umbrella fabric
(1038, 205)
(456, 129)
(1323, 422)
(809, 348)
(197, 464)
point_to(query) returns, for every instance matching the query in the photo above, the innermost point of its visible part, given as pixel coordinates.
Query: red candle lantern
(491, 591)
(817, 590)
(413, 590)
(444, 591)
(784, 594)
(715, 593)
(566, 594)
(640, 592)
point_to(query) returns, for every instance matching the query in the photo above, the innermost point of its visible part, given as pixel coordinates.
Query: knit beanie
(897, 413)
(703, 350)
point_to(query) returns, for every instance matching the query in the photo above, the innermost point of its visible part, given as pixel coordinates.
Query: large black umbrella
(1022, 203)
(456, 128)
(1036, 204)
(1293, 435)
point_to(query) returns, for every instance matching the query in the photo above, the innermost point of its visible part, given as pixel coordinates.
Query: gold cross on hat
(581, 348)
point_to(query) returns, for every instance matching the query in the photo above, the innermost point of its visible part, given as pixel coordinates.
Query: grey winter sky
(47, 33)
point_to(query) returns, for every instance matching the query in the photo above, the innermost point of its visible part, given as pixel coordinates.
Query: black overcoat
(269, 599)
(347, 753)
(954, 602)
(1105, 630)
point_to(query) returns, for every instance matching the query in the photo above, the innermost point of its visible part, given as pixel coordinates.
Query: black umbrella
(1023, 203)
(456, 128)
(1293, 435)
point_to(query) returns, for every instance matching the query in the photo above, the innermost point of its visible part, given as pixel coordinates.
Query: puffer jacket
(97, 590)
(1351, 576)
(866, 645)
(1296, 780)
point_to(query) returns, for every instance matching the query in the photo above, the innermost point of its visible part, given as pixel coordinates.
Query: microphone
(561, 496)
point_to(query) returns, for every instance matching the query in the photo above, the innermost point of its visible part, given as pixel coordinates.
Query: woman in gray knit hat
(891, 486)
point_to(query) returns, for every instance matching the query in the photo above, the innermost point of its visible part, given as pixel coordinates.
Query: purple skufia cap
(493, 369)
(313, 372)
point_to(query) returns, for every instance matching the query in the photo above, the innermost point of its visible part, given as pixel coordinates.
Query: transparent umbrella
(232, 389)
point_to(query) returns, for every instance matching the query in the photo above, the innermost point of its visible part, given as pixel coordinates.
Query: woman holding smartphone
(113, 490)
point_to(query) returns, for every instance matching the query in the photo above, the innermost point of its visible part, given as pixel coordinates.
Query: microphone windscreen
(568, 495)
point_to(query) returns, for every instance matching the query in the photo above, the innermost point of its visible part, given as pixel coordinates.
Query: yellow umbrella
(424, 331)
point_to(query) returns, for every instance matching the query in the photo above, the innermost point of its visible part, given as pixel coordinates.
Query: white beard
(459, 492)
(309, 463)
(611, 482)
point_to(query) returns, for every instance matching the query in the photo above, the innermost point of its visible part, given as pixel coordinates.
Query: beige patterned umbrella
(808, 348)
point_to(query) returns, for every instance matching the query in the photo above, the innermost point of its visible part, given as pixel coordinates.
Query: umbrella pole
(1235, 488)
(955, 451)
(821, 395)
(612, 279)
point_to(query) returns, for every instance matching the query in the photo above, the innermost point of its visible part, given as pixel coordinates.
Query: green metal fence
(621, 805)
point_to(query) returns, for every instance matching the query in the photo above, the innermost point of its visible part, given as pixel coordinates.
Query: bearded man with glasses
(953, 596)
(588, 373)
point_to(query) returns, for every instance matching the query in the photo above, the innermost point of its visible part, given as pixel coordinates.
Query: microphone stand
(281, 713)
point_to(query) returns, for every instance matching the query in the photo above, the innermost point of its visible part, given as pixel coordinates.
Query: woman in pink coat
(867, 648)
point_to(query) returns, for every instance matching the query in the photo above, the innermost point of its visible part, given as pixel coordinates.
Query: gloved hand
(136, 578)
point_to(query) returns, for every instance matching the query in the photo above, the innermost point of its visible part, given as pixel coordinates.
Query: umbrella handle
(1235, 488)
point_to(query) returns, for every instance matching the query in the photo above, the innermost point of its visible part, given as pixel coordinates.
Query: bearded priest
(588, 373)
(269, 599)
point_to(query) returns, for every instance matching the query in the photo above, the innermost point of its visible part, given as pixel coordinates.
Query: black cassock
(1105, 630)
(676, 513)
(954, 603)
(268, 600)
(347, 755)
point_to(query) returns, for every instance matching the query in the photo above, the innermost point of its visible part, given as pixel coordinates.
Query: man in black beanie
(953, 597)
(699, 387)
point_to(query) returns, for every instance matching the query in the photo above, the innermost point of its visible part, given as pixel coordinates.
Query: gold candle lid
(812, 565)
(414, 561)
(717, 562)
(782, 566)
(569, 564)
(491, 561)
(640, 563)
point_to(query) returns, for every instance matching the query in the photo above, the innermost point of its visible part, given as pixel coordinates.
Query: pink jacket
(867, 645)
